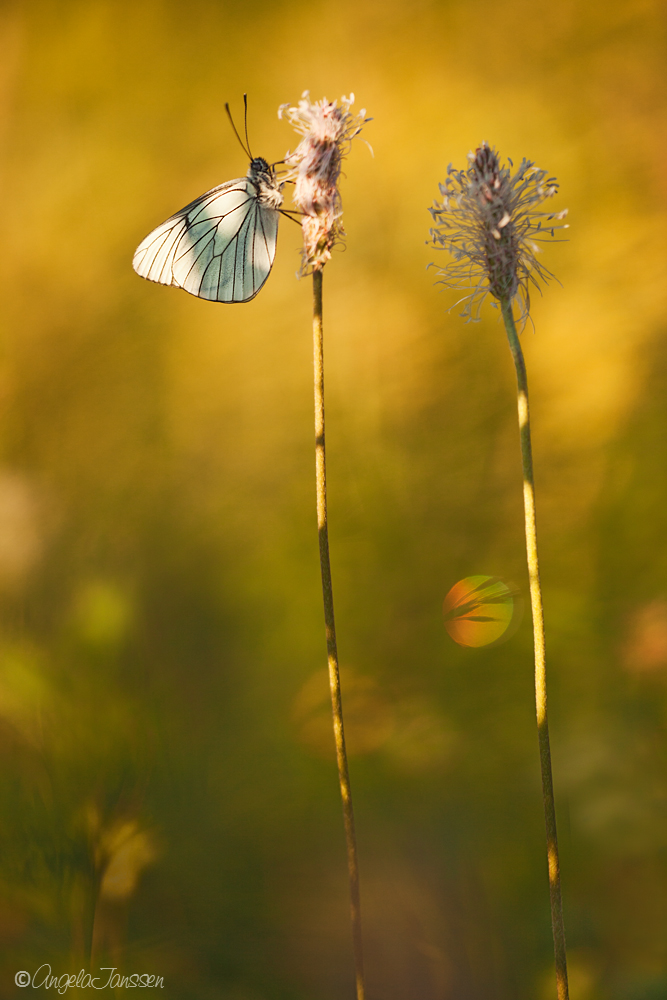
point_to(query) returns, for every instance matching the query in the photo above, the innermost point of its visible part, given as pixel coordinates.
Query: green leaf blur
(163, 716)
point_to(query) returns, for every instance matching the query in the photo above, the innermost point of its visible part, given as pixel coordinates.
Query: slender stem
(540, 666)
(90, 911)
(332, 651)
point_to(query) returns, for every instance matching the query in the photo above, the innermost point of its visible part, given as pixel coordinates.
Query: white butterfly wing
(220, 247)
(154, 257)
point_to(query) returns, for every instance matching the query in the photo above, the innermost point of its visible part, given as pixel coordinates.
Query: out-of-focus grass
(160, 623)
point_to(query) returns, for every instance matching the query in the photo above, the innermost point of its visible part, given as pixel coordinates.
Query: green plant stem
(332, 650)
(90, 910)
(540, 666)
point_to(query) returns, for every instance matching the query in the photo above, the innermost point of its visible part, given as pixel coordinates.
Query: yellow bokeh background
(163, 724)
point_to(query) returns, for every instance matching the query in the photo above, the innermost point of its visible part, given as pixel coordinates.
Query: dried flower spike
(315, 166)
(488, 223)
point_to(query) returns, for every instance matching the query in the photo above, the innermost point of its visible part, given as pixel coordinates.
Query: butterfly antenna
(245, 120)
(229, 115)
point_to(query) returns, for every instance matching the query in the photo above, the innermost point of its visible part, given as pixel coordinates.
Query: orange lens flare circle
(481, 611)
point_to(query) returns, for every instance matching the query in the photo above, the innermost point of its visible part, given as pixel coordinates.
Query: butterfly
(222, 245)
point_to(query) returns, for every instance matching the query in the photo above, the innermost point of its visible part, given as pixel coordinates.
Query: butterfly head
(259, 166)
(263, 178)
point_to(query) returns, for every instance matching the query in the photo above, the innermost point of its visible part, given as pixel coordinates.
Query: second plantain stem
(540, 665)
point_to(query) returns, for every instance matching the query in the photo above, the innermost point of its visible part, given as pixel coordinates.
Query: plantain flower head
(488, 223)
(315, 165)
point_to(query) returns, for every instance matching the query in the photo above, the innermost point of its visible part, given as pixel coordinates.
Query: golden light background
(164, 724)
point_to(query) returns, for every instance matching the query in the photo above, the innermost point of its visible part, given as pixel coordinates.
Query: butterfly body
(222, 245)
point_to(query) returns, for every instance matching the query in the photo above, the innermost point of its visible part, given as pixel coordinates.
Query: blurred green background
(162, 688)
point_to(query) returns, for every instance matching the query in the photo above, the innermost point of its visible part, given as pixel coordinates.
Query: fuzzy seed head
(488, 224)
(315, 165)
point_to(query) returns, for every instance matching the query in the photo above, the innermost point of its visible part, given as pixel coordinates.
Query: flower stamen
(315, 165)
(488, 223)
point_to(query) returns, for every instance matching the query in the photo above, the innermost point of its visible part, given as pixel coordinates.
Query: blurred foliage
(162, 705)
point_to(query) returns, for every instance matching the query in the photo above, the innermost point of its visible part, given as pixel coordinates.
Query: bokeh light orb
(481, 611)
